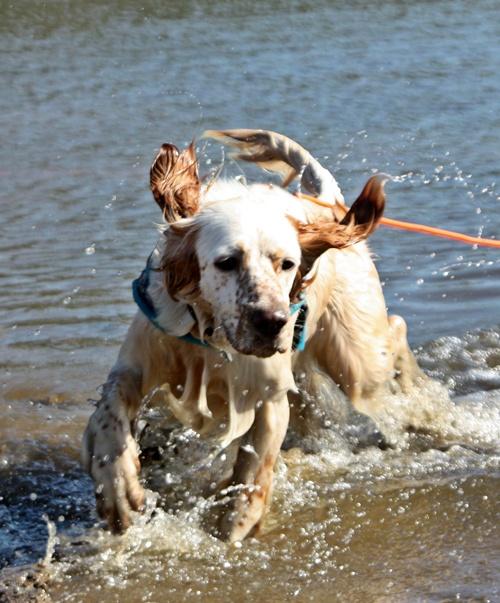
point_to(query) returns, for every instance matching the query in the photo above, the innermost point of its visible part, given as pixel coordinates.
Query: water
(90, 90)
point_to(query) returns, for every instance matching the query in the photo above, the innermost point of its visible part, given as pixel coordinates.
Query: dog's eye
(287, 265)
(227, 264)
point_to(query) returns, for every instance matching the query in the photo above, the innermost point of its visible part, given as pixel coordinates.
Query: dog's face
(248, 255)
(240, 258)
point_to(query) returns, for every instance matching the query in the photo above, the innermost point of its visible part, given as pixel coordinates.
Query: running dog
(248, 287)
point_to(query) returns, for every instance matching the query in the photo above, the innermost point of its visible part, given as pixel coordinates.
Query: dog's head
(240, 255)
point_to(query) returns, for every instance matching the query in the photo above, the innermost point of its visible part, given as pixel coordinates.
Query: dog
(249, 287)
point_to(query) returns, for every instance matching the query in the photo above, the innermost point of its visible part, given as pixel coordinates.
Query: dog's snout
(268, 323)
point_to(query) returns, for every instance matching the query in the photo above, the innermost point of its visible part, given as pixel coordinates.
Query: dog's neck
(170, 316)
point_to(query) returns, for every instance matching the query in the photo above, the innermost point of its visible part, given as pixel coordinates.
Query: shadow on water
(32, 493)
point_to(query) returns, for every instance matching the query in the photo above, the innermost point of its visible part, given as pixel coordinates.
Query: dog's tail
(277, 153)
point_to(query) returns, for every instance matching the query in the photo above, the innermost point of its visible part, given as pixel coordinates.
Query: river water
(89, 92)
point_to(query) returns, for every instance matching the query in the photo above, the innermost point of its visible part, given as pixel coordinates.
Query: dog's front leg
(109, 451)
(254, 470)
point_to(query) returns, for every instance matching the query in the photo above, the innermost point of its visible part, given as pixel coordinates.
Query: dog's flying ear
(175, 183)
(359, 222)
(369, 206)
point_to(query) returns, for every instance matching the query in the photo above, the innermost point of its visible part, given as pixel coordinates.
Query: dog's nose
(268, 323)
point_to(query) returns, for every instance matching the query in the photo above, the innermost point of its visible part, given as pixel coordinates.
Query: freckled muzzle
(261, 331)
(267, 323)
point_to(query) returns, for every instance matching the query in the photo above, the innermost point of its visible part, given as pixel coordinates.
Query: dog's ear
(180, 263)
(175, 183)
(359, 222)
(368, 208)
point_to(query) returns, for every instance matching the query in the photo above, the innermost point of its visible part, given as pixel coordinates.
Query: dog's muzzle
(267, 323)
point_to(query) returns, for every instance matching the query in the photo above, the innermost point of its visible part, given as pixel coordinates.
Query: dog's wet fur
(231, 260)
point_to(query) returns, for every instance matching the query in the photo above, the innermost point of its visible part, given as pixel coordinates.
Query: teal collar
(299, 332)
(145, 303)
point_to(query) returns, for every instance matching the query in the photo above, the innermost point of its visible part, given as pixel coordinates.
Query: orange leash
(440, 232)
(421, 228)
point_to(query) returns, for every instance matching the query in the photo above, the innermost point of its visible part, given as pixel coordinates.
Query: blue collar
(145, 303)
(299, 332)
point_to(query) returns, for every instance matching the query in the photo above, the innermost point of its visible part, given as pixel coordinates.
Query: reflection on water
(90, 92)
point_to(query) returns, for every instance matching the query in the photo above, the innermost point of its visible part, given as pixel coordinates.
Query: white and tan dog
(248, 287)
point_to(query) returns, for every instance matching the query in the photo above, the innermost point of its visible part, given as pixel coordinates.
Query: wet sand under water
(374, 542)
(401, 540)
(418, 521)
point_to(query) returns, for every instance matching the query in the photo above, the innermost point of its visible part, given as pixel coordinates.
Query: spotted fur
(231, 260)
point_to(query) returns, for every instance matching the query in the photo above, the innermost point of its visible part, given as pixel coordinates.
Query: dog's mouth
(245, 340)
(242, 337)
(261, 349)
(219, 339)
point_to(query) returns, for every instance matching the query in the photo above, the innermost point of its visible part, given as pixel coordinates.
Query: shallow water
(90, 90)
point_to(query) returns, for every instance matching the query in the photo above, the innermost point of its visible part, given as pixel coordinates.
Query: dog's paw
(235, 529)
(110, 455)
(245, 516)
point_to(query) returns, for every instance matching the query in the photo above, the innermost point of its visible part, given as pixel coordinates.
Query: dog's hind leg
(254, 470)
(109, 451)
(406, 369)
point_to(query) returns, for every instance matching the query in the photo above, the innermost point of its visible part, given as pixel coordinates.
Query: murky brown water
(90, 90)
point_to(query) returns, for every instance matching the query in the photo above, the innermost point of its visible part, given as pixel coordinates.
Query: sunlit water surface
(90, 90)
